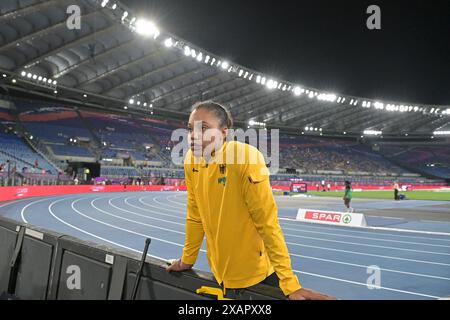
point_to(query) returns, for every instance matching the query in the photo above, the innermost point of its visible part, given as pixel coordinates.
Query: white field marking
(96, 236)
(130, 220)
(365, 284)
(365, 267)
(119, 228)
(312, 225)
(369, 245)
(158, 207)
(141, 215)
(369, 254)
(151, 211)
(368, 238)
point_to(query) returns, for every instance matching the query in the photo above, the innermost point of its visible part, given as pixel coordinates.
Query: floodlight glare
(147, 28)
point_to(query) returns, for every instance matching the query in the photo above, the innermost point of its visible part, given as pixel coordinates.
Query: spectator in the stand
(329, 187)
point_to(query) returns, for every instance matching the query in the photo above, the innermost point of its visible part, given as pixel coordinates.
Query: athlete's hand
(178, 266)
(308, 294)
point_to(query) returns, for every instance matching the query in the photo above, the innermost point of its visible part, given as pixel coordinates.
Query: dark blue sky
(324, 44)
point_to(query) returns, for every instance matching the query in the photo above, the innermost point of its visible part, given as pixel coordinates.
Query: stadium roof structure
(117, 59)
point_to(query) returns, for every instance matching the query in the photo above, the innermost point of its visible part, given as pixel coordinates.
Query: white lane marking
(141, 215)
(163, 259)
(372, 228)
(179, 214)
(368, 238)
(96, 236)
(22, 212)
(120, 228)
(369, 245)
(366, 266)
(368, 254)
(147, 210)
(365, 284)
(356, 252)
(132, 221)
(296, 223)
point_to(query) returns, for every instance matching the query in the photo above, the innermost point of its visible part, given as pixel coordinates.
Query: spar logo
(347, 219)
(324, 216)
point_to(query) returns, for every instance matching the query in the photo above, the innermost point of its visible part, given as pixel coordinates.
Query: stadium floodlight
(193, 53)
(344, 132)
(114, 6)
(279, 85)
(199, 57)
(131, 101)
(306, 128)
(213, 60)
(251, 123)
(44, 80)
(246, 75)
(230, 69)
(168, 42)
(343, 99)
(311, 95)
(55, 92)
(84, 95)
(263, 80)
(125, 107)
(49, 81)
(258, 79)
(40, 78)
(23, 73)
(147, 28)
(207, 59)
(138, 103)
(270, 84)
(225, 65)
(297, 91)
(406, 134)
(55, 82)
(251, 77)
(145, 104)
(372, 132)
(320, 129)
(151, 105)
(124, 15)
(240, 73)
(219, 63)
(315, 129)
(13, 80)
(441, 133)
(31, 137)
(303, 132)
(104, 3)
(29, 75)
(34, 77)
(187, 51)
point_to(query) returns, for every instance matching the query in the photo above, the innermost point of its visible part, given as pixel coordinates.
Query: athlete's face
(205, 132)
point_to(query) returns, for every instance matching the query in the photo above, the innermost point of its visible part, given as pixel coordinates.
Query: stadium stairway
(36, 146)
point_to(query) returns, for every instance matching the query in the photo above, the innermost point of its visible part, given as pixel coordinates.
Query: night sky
(323, 44)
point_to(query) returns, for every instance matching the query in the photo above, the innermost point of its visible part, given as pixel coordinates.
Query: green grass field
(415, 195)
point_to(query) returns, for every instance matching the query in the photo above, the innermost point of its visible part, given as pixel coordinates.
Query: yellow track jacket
(230, 201)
